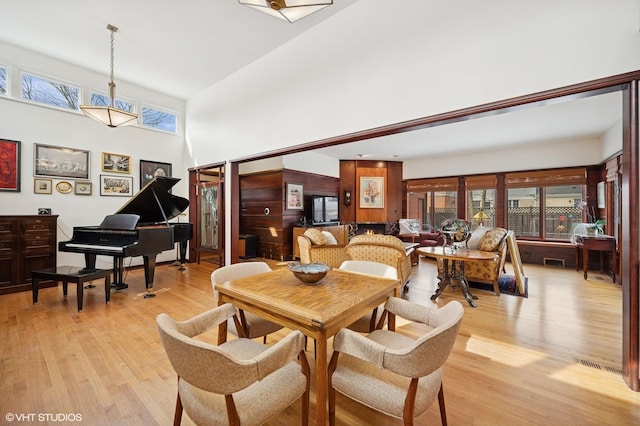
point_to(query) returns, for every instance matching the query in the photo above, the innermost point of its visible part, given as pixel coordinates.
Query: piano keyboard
(96, 247)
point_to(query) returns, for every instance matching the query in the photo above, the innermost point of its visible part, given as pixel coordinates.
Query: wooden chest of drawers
(26, 243)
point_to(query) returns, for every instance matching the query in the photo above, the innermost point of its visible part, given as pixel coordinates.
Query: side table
(73, 274)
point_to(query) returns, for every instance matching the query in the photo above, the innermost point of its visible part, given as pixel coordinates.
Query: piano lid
(154, 203)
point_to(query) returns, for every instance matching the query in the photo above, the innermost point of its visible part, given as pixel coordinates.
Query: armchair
(314, 248)
(391, 372)
(379, 248)
(238, 382)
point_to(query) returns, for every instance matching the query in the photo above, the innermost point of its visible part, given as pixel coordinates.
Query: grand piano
(139, 228)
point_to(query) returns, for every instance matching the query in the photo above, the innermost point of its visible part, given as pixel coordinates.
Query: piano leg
(118, 273)
(90, 261)
(183, 253)
(149, 269)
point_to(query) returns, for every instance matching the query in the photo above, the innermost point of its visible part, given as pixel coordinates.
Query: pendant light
(110, 115)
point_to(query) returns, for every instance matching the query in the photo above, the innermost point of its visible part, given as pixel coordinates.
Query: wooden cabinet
(26, 243)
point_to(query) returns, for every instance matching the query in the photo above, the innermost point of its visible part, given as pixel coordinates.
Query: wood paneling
(263, 212)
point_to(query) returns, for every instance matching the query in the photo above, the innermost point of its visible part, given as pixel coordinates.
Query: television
(324, 210)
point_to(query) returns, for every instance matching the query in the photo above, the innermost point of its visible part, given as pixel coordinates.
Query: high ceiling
(177, 48)
(182, 48)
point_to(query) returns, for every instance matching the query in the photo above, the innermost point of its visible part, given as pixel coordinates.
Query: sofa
(485, 271)
(425, 237)
(326, 245)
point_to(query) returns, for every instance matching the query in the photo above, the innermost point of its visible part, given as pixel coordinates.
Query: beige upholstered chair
(253, 325)
(315, 248)
(391, 372)
(368, 322)
(380, 248)
(239, 382)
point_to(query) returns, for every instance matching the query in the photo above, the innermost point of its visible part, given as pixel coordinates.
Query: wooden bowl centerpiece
(309, 273)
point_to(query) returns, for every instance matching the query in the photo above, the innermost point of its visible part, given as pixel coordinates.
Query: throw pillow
(316, 236)
(476, 236)
(491, 239)
(331, 240)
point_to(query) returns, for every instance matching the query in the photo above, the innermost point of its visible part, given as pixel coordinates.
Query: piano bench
(73, 274)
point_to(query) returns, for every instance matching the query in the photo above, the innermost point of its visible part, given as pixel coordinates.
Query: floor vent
(550, 261)
(598, 366)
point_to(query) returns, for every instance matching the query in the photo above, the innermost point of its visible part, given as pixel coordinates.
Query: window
(161, 120)
(481, 209)
(524, 220)
(103, 100)
(432, 201)
(3, 80)
(50, 92)
(562, 210)
(545, 204)
(443, 206)
(556, 208)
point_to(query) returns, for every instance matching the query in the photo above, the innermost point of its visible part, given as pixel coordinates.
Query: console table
(601, 243)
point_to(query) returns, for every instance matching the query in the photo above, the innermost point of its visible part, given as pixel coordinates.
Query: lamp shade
(112, 117)
(287, 10)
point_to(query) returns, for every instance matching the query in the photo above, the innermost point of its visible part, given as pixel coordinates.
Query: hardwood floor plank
(551, 358)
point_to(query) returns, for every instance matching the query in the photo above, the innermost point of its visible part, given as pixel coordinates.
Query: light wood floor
(550, 359)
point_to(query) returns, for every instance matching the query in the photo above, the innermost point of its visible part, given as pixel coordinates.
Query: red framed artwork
(9, 165)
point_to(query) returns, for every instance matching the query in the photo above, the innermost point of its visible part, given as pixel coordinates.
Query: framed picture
(121, 186)
(117, 163)
(151, 169)
(42, 186)
(371, 192)
(9, 165)
(294, 197)
(60, 162)
(83, 188)
(64, 187)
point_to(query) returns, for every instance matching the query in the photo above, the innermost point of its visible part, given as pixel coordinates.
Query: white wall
(32, 124)
(366, 67)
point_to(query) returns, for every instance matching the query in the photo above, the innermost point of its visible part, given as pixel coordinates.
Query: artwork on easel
(516, 261)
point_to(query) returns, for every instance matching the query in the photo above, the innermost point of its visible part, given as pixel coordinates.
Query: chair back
(429, 352)
(236, 271)
(201, 364)
(371, 268)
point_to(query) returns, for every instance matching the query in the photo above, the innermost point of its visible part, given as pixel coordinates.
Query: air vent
(598, 366)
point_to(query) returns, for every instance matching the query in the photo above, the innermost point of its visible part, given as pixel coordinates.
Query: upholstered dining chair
(241, 382)
(253, 325)
(390, 372)
(367, 323)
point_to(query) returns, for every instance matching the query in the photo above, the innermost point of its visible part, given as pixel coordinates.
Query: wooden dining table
(318, 310)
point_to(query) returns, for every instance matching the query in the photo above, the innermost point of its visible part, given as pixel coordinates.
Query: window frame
(175, 114)
(23, 73)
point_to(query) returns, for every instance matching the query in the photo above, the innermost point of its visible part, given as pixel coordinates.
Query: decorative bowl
(309, 273)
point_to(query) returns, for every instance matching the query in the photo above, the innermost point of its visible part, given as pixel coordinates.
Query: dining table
(453, 267)
(318, 310)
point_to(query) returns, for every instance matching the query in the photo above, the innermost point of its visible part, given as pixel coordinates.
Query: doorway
(207, 195)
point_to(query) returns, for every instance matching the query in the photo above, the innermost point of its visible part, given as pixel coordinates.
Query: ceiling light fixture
(288, 10)
(110, 115)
